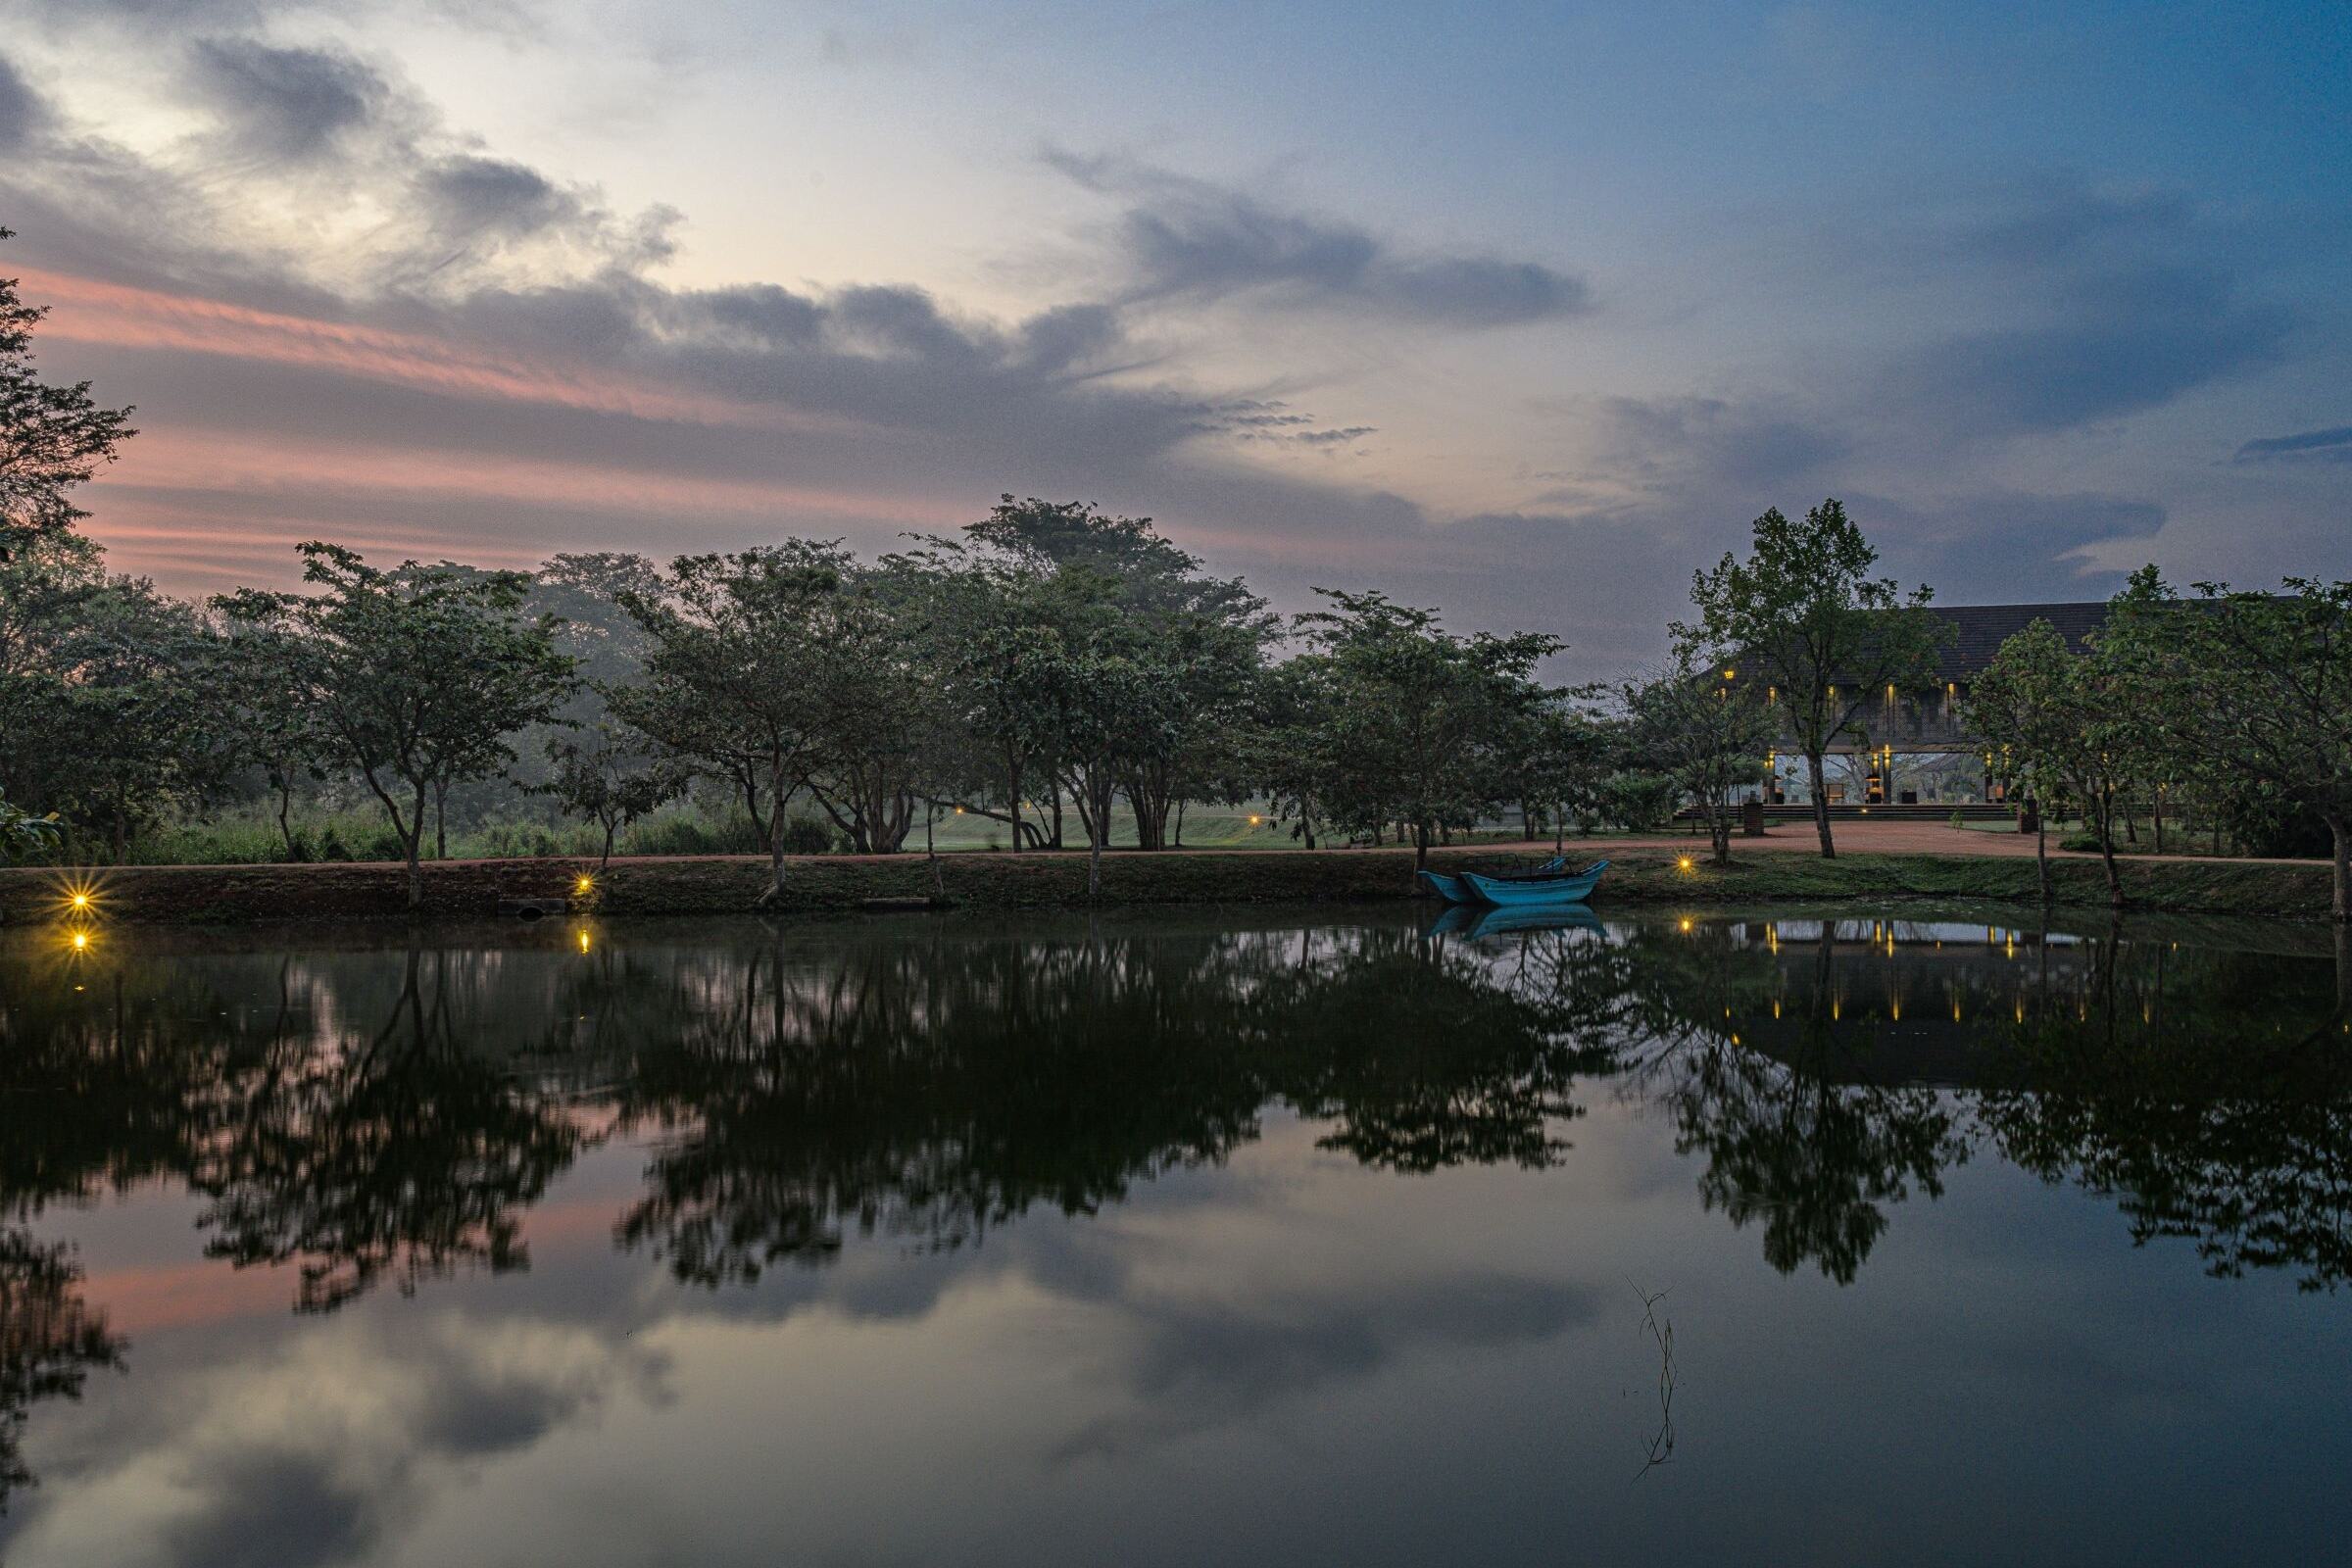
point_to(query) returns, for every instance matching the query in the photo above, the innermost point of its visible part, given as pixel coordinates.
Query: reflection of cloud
(321, 1455)
(1191, 1365)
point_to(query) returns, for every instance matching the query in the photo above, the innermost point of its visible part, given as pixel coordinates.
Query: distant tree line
(1051, 668)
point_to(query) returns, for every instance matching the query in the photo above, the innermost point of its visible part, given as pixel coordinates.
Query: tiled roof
(1980, 629)
(1983, 628)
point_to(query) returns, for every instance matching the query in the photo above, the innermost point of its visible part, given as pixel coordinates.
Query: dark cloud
(1714, 441)
(472, 197)
(2123, 342)
(284, 103)
(1187, 238)
(21, 112)
(2333, 444)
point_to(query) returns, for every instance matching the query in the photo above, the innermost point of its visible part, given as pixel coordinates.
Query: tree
(1420, 711)
(273, 724)
(1709, 736)
(2259, 683)
(2059, 722)
(612, 778)
(730, 666)
(418, 674)
(52, 437)
(109, 693)
(1827, 640)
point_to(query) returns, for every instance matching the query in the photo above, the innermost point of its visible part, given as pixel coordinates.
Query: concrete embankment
(1644, 875)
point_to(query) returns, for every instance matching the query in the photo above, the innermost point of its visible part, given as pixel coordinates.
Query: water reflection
(370, 1114)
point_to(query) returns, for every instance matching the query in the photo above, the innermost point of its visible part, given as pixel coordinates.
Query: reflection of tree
(402, 1158)
(2209, 1094)
(1422, 1058)
(49, 1339)
(1812, 1159)
(935, 1090)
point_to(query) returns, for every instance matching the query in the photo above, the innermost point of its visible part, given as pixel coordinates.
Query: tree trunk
(1097, 828)
(285, 808)
(1719, 829)
(1420, 846)
(440, 820)
(777, 822)
(1180, 824)
(2157, 813)
(605, 858)
(1821, 804)
(1017, 811)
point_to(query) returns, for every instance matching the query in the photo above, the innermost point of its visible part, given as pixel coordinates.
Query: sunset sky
(1519, 311)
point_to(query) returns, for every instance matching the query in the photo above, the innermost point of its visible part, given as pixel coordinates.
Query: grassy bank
(236, 894)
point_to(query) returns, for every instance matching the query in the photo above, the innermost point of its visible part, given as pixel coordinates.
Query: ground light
(1684, 862)
(586, 884)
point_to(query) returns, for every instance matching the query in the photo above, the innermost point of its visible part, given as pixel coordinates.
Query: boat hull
(1449, 888)
(1453, 890)
(1513, 893)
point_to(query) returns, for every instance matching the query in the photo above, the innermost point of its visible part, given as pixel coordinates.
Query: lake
(1301, 1235)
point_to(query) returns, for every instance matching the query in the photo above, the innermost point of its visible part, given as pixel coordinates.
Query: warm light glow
(1683, 864)
(81, 940)
(586, 884)
(1686, 922)
(1253, 821)
(583, 935)
(960, 811)
(1729, 673)
(81, 900)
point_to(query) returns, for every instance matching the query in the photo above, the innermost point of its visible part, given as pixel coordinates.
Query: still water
(1177, 1239)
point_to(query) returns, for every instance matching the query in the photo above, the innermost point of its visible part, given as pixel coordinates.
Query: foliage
(418, 675)
(1707, 735)
(1828, 641)
(2058, 724)
(53, 437)
(610, 777)
(1420, 714)
(2260, 684)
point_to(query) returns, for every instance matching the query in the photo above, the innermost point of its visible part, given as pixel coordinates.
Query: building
(1913, 746)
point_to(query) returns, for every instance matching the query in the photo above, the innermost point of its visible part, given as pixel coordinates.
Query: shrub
(804, 835)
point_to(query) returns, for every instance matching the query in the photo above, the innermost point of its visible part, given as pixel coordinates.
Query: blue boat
(1449, 888)
(1453, 890)
(1536, 887)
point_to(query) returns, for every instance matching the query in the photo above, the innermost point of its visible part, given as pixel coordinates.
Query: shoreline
(1642, 874)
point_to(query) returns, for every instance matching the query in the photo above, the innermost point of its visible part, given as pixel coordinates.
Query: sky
(1521, 311)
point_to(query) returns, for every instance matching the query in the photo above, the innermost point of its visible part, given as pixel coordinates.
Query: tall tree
(2261, 683)
(1828, 641)
(2052, 723)
(53, 436)
(1421, 711)
(1708, 735)
(418, 674)
(731, 665)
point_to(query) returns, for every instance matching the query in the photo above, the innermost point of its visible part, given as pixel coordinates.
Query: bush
(805, 835)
